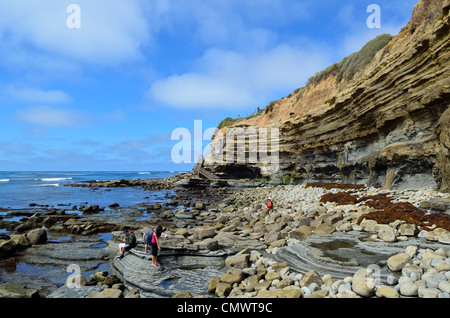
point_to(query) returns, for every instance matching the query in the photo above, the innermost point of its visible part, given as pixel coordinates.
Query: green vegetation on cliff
(344, 69)
(347, 68)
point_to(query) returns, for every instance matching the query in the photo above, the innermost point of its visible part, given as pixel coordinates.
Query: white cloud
(52, 117)
(56, 117)
(112, 32)
(226, 23)
(34, 95)
(226, 79)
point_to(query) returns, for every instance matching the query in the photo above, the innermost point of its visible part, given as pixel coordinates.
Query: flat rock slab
(437, 205)
(82, 292)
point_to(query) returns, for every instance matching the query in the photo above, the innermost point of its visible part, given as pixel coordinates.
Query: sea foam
(53, 179)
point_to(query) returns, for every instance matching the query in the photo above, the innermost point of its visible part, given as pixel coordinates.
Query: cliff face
(388, 125)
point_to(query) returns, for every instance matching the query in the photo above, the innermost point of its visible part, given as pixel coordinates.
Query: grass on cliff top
(228, 122)
(347, 68)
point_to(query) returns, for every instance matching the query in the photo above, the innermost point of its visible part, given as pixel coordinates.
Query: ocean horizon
(22, 189)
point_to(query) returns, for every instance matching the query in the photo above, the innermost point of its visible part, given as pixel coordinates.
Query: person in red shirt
(269, 204)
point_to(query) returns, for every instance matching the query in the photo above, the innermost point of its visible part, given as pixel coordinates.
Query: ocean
(20, 189)
(43, 267)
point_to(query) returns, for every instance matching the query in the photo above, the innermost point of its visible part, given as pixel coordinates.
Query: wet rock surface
(209, 229)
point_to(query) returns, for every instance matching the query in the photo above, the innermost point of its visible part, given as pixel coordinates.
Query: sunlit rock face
(387, 124)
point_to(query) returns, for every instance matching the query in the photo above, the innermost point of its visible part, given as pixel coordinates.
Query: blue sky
(108, 95)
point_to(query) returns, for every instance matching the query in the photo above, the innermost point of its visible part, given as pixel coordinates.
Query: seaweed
(387, 211)
(341, 198)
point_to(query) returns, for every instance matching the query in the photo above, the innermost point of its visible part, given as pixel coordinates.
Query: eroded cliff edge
(388, 125)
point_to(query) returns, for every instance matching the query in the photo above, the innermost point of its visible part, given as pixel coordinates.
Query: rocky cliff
(387, 123)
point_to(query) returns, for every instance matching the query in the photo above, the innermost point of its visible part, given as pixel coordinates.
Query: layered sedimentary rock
(388, 125)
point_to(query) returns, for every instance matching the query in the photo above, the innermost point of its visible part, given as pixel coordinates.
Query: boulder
(91, 209)
(398, 261)
(278, 266)
(223, 289)
(21, 240)
(409, 289)
(271, 276)
(430, 254)
(319, 294)
(7, 248)
(238, 261)
(272, 236)
(444, 286)
(411, 250)
(232, 275)
(325, 229)
(37, 236)
(110, 280)
(212, 244)
(442, 266)
(183, 232)
(434, 280)
(261, 286)
(183, 294)
(362, 283)
(107, 293)
(75, 281)
(185, 215)
(203, 232)
(301, 233)
(407, 229)
(386, 292)
(370, 225)
(287, 292)
(213, 281)
(12, 290)
(199, 205)
(100, 276)
(411, 268)
(311, 277)
(428, 292)
(386, 233)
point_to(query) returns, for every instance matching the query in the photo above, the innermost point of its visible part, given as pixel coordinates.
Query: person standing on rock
(155, 245)
(129, 243)
(147, 237)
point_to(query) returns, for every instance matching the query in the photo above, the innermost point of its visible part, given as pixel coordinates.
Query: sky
(89, 85)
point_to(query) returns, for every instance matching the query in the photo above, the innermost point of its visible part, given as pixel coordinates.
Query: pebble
(408, 289)
(392, 280)
(415, 272)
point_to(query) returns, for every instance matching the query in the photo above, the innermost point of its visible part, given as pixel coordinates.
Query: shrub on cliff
(352, 63)
(347, 68)
(226, 122)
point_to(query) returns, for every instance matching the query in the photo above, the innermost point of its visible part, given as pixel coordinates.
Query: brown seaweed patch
(341, 198)
(388, 211)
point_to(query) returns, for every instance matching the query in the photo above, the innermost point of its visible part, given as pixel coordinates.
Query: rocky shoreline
(222, 232)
